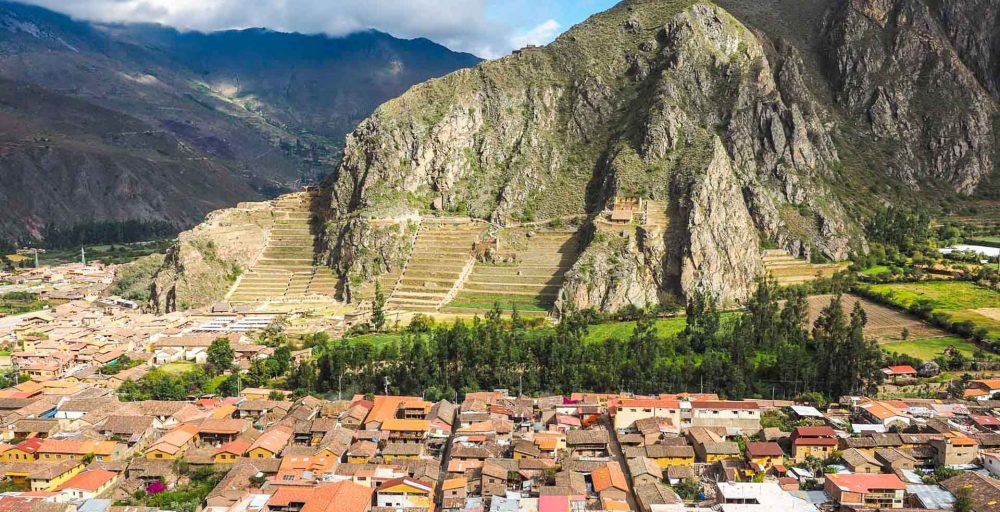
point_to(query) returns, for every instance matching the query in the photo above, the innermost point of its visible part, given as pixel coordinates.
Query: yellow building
(61, 449)
(270, 443)
(666, 455)
(404, 493)
(49, 476)
(173, 444)
(230, 452)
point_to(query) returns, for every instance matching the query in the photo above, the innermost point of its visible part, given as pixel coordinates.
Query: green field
(117, 253)
(960, 299)
(665, 327)
(875, 270)
(989, 241)
(487, 301)
(16, 303)
(930, 348)
(177, 367)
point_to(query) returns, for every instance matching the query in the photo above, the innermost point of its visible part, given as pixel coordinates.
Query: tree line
(768, 349)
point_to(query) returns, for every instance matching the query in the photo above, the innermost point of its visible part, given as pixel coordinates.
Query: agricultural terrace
(961, 300)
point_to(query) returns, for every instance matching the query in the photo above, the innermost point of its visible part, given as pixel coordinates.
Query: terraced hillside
(531, 280)
(440, 260)
(788, 269)
(285, 271)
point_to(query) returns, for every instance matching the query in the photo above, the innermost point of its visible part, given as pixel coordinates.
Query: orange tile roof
(91, 480)
(287, 495)
(237, 447)
(273, 440)
(385, 407)
(454, 483)
(339, 497)
(608, 476)
(400, 425)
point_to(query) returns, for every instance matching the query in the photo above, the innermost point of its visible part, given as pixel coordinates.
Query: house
(24, 451)
(644, 471)
(173, 444)
(588, 443)
(453, 492)
(627, 412)
(983, 491)
(220, 431)
(48, 476)
(131, 430)
(818, 442)
(339, 497)
(361, 452)
(757, 497)
(660, 496)
(895, 372)
(730, 414)
(859, 461)
(405, 430)
(87, 485)
(405, 493)
(982, 389)
(866, 490)
(884, 412)
(955, 450)
(609, 482)
(393, 452)
(258, 408)
(230, 452)
(670, 454)
(60, 449)
(764, 455)
(270, 443)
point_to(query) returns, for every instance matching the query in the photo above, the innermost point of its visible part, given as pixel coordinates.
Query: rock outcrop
(201, 267)
(895, 71)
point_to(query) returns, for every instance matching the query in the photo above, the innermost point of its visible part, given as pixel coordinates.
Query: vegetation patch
(928, 349)
(959, 301)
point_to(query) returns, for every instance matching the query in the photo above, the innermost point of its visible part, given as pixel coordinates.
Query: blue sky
(543, 19)
(488, 28)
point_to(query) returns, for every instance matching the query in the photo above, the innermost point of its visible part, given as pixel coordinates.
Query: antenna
(83, 256)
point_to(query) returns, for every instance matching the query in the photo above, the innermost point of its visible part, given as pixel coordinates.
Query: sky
(487, 28)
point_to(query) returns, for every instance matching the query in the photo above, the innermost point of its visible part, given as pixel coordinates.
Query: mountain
(773, 123)
(140, 122)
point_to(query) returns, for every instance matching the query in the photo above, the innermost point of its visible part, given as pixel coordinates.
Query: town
(75, 439)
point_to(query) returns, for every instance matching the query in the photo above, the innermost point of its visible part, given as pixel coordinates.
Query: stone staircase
(285, 271)
(789, 270)
(531, 282)
(439, 261)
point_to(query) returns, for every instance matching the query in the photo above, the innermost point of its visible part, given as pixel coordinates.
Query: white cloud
(461, 25)
(542, 34)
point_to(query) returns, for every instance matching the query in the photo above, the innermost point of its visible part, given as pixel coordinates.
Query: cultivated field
(961, 300)
(884, 324)
(930, 348)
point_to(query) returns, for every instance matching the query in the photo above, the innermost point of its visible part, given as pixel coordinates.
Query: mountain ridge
(257, 143)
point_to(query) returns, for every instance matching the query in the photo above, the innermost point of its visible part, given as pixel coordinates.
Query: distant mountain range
(142, 122)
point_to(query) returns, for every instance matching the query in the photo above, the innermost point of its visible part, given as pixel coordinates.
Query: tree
(378, 308)
(220, 356)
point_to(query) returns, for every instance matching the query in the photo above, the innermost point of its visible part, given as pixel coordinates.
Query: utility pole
(83, 256)
(340, 387)
(36, 257)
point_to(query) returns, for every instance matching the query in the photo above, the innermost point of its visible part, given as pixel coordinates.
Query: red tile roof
(900, 370)
(764, 450)
(813, 432)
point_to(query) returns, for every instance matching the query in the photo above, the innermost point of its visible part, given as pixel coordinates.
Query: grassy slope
(930, 348)
(959, 299)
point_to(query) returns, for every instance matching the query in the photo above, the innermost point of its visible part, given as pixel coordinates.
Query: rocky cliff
(673, 101)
